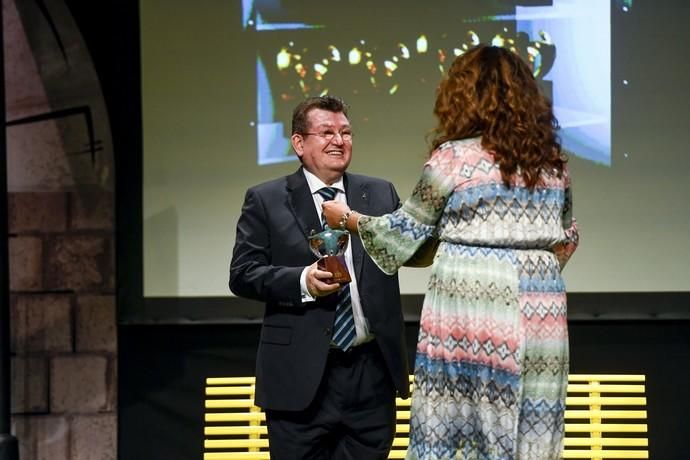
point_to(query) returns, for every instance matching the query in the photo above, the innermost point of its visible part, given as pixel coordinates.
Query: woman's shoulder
(463, 149)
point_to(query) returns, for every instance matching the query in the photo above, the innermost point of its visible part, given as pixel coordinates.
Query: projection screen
(220, 78)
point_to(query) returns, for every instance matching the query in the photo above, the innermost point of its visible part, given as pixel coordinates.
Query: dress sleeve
(392, 239)
(571, 236)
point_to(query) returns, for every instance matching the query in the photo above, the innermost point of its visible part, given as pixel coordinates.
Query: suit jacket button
(327, 331)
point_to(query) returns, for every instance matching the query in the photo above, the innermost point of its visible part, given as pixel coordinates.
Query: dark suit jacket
(271, 250)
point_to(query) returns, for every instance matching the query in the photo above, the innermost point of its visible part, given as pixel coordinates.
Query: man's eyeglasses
(328, 136)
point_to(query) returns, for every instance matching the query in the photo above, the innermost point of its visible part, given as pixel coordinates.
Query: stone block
(26, 263)
(78, 383)
(29, 385)
(95, 323)
(37, 212)
(78, 262)
(36, 158)
(42, 437)
(94, 437)
(92, 208)
(41, 322)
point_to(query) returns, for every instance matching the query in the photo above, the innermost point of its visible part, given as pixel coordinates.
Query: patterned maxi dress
(492, 355)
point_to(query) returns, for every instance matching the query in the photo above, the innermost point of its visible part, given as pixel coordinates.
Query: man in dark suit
(330, 357)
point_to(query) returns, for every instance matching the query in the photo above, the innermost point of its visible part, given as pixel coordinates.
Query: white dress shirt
(361, 323)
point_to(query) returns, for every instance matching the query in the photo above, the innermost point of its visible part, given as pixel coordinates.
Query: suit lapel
(301, 203)
(357, 199)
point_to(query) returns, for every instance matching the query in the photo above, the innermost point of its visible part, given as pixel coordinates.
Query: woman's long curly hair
(490, 92)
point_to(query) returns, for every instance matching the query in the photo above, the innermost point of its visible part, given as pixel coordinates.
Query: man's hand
(317, 284)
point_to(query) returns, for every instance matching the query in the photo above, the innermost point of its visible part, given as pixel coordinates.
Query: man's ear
(297, 142)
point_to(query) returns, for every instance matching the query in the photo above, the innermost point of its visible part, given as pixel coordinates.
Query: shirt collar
(316, 184)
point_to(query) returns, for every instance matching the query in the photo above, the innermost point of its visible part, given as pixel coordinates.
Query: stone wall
(61, 239)
(64, 342)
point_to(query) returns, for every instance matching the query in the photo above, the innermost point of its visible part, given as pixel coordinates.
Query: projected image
(391, 58)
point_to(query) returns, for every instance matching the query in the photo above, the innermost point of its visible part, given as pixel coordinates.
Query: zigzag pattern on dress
(456, 325)
(471, 289)
(543, 310)
(430, 195)
(539, 271)
(463, 403)
(485, 251)
(387, 261)
(456, 349)
(489, 192)
(470, 380)
(538, 365)
(410, 227)
(489, 201)
(492, 351)
(541, 429)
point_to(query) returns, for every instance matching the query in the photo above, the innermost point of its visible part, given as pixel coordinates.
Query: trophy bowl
(329, 246)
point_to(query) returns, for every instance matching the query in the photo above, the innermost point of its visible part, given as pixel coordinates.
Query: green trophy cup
(329, 246)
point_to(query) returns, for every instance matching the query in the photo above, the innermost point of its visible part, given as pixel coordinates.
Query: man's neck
(329, 181)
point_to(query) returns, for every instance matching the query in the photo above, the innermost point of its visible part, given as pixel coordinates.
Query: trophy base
(337, 266)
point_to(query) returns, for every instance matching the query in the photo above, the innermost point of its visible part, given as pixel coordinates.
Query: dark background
(162, 372)
(167, 347)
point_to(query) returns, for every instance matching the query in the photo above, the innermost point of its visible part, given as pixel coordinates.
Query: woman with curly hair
(492, 353)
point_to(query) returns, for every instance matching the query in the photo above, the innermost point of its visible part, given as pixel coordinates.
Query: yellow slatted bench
(605, 417)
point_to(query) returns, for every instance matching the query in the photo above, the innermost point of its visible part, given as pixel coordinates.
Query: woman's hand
(333, 211)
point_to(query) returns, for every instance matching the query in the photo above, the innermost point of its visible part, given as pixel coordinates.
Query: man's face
(326, 159)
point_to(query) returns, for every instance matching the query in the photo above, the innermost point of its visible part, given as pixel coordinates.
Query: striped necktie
(344, 332)
(328, 194)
